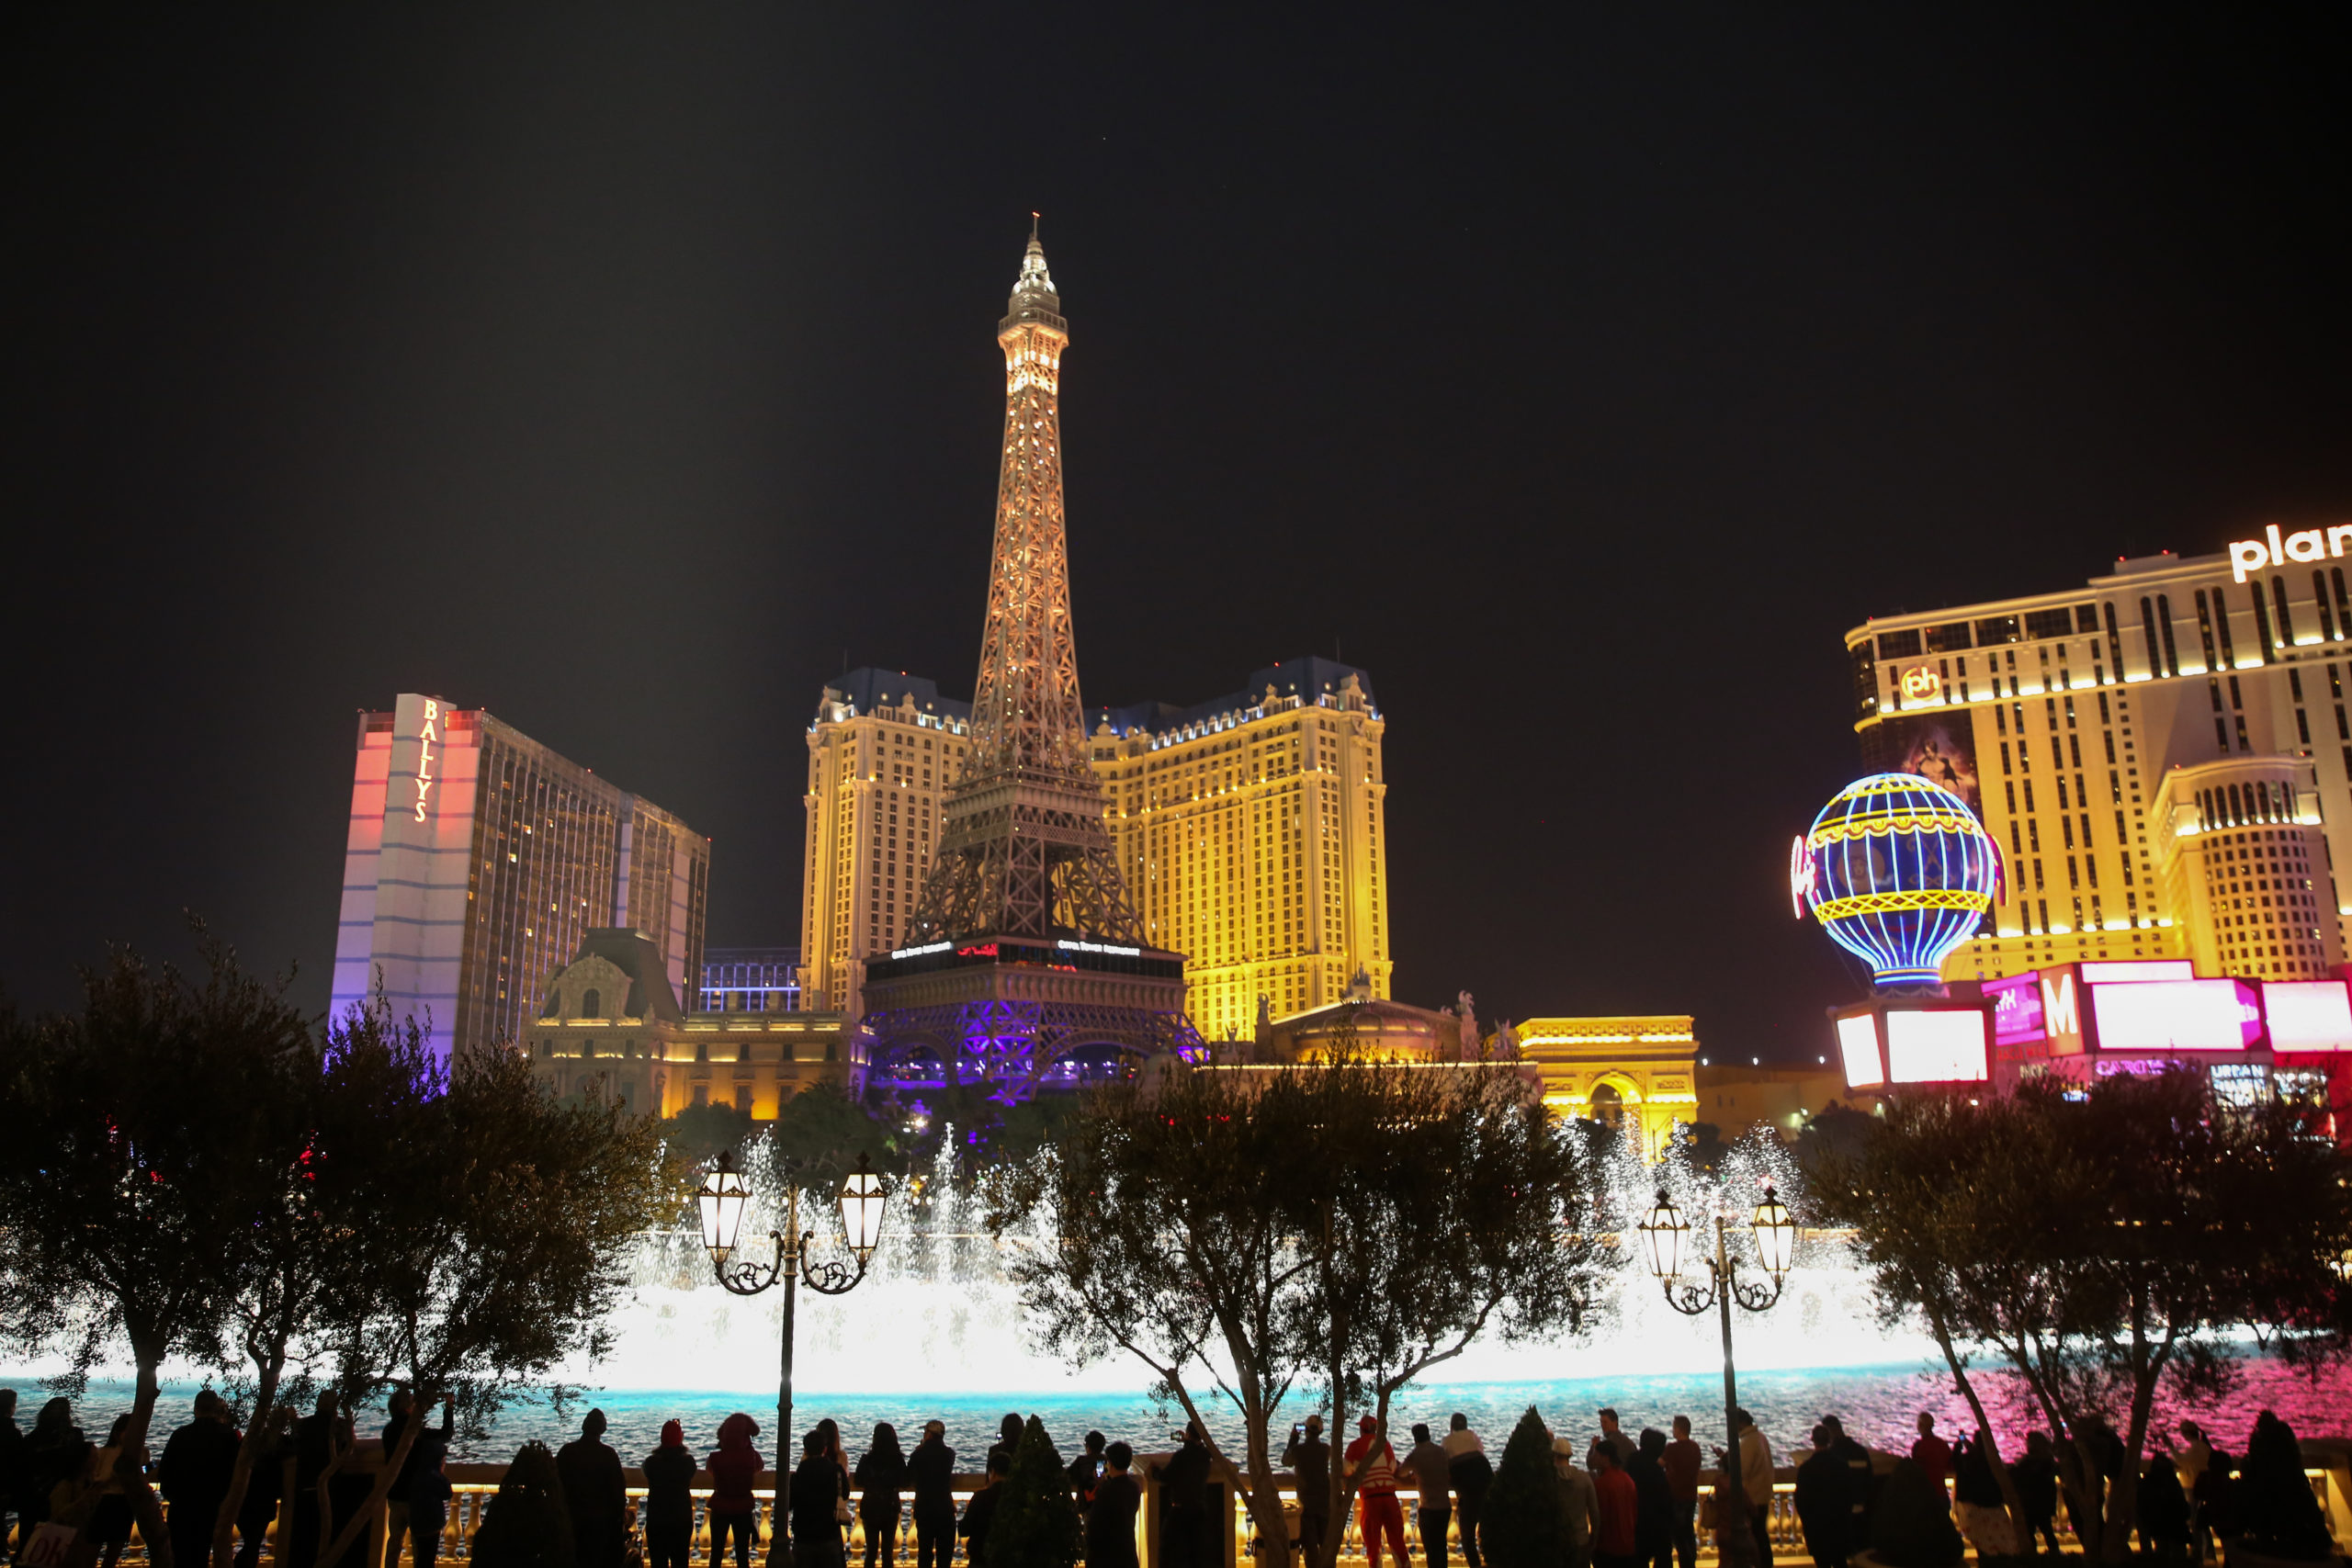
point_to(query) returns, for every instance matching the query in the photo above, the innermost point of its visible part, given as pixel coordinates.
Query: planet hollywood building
(2162, 756)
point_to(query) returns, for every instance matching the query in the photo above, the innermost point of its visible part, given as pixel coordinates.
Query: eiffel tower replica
(1024, 965)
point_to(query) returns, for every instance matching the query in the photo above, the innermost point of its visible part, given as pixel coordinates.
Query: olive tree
(504, 1238)
(146, 1142)
(1343, 1225)
(2097, 1243)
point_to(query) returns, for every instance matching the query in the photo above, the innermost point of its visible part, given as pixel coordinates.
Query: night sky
(625, 372)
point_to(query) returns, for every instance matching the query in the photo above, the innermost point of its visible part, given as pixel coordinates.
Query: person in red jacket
(734, 1466)
(1931, 1453)
(1618, 1502)
(1373, 1464)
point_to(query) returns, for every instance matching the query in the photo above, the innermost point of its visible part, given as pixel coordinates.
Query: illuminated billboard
(1858, 1044)
(2017, 1008)
(1946, 1045)
(2175, 1015)
(2103, 972)
(2307, 1015)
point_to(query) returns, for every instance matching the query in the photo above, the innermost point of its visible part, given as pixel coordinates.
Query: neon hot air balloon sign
(1899, 873)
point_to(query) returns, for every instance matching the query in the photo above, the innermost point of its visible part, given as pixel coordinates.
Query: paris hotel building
(2162, 756)
(1249, 829)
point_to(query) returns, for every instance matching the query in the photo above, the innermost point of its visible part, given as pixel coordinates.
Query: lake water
(1879, 1404)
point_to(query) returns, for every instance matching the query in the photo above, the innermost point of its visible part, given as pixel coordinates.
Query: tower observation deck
(1025, 965)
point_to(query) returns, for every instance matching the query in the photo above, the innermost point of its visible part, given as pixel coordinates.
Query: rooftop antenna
(1033, 225)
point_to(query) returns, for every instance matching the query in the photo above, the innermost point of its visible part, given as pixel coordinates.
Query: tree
(1519, 1523)
(144, 1147)
(2100, 1245)
(1241, 1234)
(503, 1242)
(335, 1129)
(1036, 1523)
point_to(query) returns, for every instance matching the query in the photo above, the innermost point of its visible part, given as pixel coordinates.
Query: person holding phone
(1309, 1459)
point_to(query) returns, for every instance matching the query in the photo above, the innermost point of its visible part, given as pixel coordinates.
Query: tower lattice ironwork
(1024, 852)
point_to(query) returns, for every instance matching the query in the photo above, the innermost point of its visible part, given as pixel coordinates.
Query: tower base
(1022, 1016)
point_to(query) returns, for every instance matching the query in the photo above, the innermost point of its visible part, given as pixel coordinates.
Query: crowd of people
(1627, 1500)
(54, 1473)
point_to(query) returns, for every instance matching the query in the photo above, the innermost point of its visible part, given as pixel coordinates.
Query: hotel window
(2205, 629)
(2262, 623)
(2164, 621)
(2286, 619)
(2029, 798)
(2114, 640)
(2148, 626)
(2319, 601)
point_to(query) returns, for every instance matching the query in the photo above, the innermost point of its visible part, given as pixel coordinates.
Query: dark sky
(622, 371)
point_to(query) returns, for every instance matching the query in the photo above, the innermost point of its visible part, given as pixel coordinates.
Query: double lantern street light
(1663, 1237)
(723, 1198)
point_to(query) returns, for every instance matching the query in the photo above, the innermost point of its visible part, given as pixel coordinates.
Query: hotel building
(2161, 755)
(749, 979)
(610, 1023)
(1250, 830)
(478, 861)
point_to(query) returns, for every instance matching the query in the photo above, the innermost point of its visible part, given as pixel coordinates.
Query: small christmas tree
(526, 1525)
(1036, 1523)
(1520, 1525)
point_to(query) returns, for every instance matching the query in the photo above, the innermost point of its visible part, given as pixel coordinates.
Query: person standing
(981, 1509)
(1681, 1462)
(193, 1476)
(880, 1475)
(2037, 1481)
(1183, 1479)
(1931, 1453)
(1472, 1473)
(1613, 1437)
(734, 1465)
(425, 1453)
(264, 1484)
(1433, 1478)
(1984, 1519)
(316, 1447)
(1617, 1506)
(596, 1493)
(815, 1493)
(1308, 1459)
(1008, 1438)
(109, 1472)
(1373, 1463)
(1085, 1471)
(1110, 1511)
(1823, 1508)
(1579, 1504)
(670, 1500)
(11, 1463)
(1654, 1518)
(1862, 1482)
(1755, 1483)
(931, 1472)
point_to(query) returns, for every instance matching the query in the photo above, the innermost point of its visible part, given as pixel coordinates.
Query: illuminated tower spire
(1024, 851)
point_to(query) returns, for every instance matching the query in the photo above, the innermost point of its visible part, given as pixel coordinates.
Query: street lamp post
(722, 1201)
(1663, 1235)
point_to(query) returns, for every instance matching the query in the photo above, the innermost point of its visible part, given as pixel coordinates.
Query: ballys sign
(2273, 549)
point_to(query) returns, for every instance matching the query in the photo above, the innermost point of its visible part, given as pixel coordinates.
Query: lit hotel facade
(1250, 829)
(478, 861)
(2163, 756)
